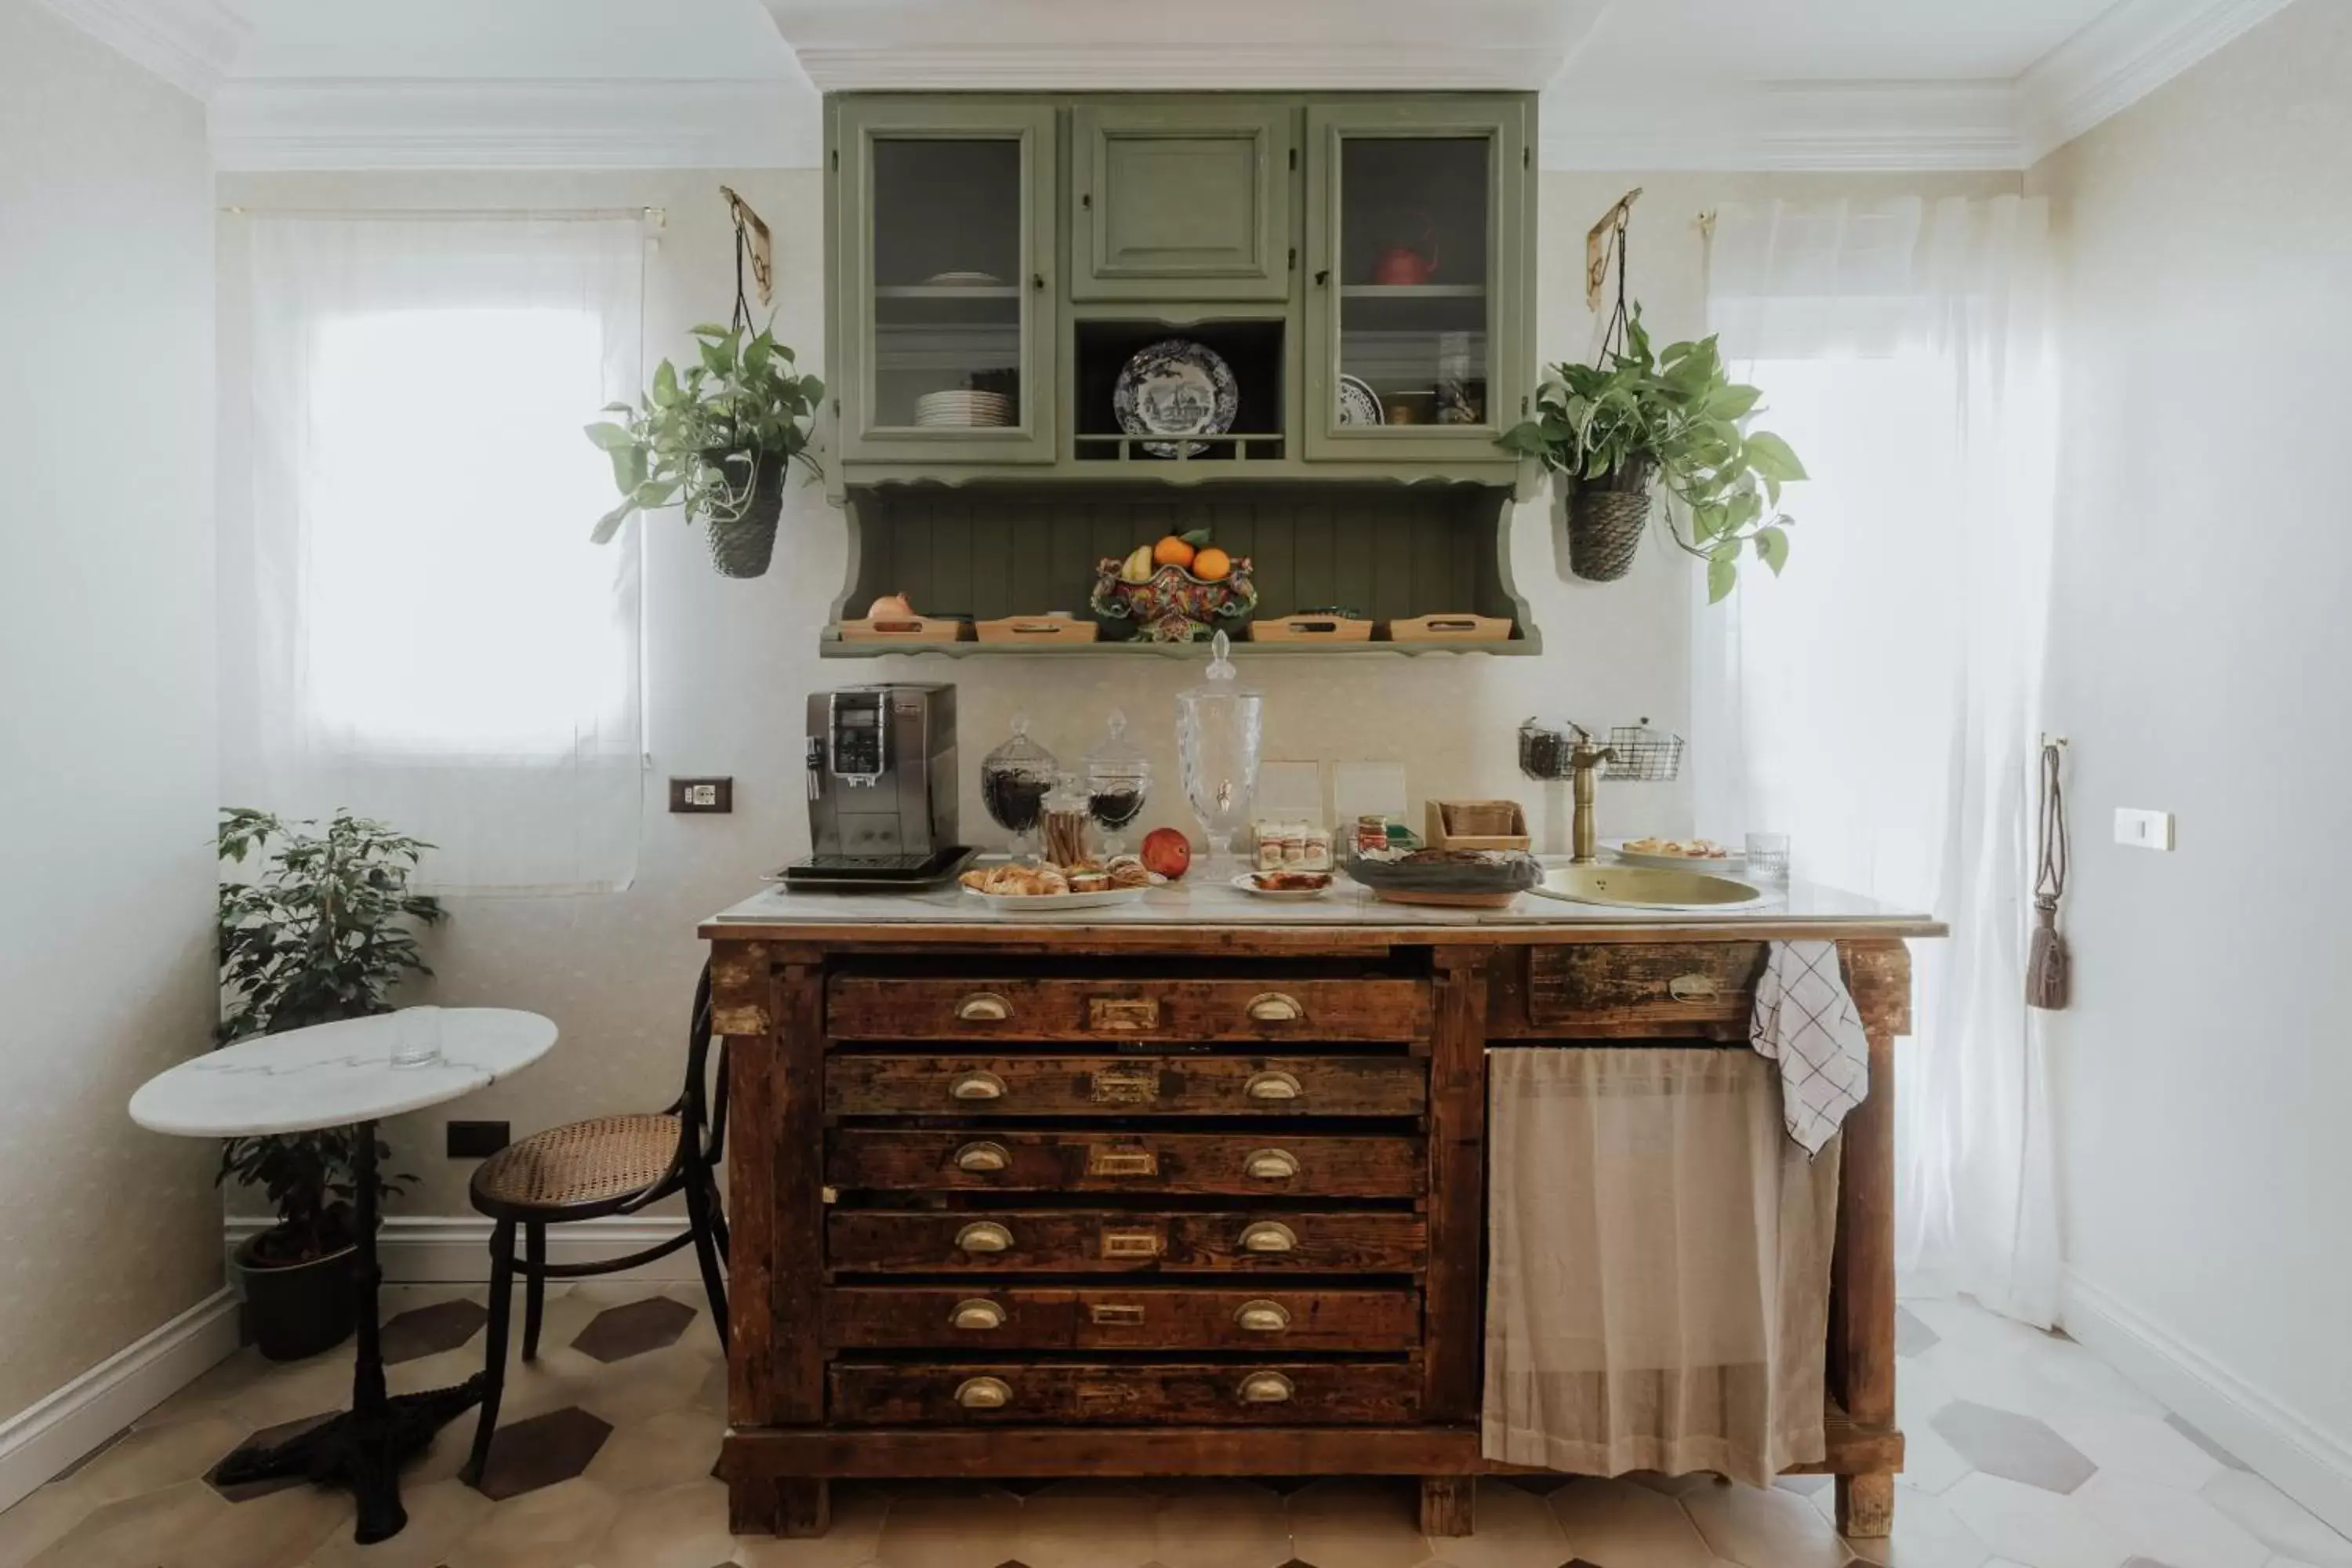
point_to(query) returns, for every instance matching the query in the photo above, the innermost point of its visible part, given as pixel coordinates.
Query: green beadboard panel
(1385, 550)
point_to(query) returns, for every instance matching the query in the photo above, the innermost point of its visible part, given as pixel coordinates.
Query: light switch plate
(2143, 829)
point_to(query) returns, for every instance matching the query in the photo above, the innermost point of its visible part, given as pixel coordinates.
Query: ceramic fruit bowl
(1171, 604)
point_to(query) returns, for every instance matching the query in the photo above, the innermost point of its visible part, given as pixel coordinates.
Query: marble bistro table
(350, 1074)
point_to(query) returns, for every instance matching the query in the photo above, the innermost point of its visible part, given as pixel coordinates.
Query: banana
(1138, 568)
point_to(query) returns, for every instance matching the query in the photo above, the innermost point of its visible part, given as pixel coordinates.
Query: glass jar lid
(1115, 756)
(1222, 678)
(1021, 754)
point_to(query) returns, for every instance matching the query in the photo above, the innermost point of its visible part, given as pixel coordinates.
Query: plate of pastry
(1680, 854)
(1284, 887)
(1044, 889)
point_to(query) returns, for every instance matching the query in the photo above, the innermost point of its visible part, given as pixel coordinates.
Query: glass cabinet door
(947, 220)
(1416, 287)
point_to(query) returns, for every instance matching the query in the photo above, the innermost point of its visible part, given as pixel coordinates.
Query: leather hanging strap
(2048, 965)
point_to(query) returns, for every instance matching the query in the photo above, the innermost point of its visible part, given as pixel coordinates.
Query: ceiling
(1628, 84)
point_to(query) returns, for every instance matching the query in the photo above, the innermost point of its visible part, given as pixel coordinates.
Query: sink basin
(1641, 888)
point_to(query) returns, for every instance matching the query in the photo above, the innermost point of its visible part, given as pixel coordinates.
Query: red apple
(1168, 852)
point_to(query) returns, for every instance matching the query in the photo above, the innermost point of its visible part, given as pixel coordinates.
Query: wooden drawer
(1095, 1086)
(872, 1008)
(1261, 1165)
(1606, 989)
(884, 1394)
(1066, 1241)
(1137, 1317)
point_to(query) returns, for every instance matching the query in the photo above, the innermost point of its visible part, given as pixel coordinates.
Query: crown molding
(853, 46)
(188, 43)
(362, 124)
(2126, 53)
(1787, 127)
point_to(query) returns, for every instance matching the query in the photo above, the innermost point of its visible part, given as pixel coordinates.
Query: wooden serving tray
(1450, 628)
(1310, 628)
(1477, 825)
(911, 628)
(1037, 629)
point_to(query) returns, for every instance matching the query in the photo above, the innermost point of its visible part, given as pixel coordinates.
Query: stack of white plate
(966, 410)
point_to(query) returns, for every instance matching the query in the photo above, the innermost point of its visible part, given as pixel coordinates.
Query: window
(423, 631)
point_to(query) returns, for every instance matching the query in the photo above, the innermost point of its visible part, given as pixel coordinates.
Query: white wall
(730, 663)
(107, 745)
(2199, 653)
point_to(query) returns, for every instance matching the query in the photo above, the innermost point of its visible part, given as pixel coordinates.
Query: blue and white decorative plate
(1176, 387)
(1359, 404)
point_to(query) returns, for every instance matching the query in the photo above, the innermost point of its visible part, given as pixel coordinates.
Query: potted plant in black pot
(1641, 429)
(716, 441)
(322, 931)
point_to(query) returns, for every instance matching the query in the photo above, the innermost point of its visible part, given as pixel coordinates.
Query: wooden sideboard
(1024, 1200)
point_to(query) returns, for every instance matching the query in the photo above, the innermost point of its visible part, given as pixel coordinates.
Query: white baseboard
(455, 1249)
(2310, 1466)
(38, 1442)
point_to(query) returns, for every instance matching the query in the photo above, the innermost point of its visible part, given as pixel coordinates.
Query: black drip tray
(854, 872)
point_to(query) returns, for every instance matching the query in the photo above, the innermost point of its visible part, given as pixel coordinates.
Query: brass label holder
(1122, 1015)
(1126, 1085)
(1133, 1243)
(1121, 1160)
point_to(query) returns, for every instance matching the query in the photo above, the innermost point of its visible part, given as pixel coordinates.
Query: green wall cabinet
(943, 290)
(1188, 198)
(1363, 261)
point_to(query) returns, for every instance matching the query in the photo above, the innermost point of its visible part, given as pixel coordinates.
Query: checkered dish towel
(1805, 1019)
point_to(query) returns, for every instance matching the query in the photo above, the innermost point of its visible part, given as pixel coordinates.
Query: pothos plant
(323, 931)
(705, 439)
(1678, 422)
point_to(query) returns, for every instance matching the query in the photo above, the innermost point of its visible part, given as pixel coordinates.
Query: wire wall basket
(1643, 755)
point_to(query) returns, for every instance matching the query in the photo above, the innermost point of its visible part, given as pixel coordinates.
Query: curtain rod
(657, 216)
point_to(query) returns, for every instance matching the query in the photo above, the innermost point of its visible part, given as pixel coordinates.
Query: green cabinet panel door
(941, 279)
(1183, 199)
(1419, 279)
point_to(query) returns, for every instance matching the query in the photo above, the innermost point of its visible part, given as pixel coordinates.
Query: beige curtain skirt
(1658, 1265)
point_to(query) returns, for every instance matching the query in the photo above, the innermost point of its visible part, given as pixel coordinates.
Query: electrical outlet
(477, 1139)
(702, 796)
(2143, 829)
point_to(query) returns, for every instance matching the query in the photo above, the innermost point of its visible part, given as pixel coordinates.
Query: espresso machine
(881, 789)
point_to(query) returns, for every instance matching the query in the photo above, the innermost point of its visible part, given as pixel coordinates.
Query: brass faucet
(1584, 760)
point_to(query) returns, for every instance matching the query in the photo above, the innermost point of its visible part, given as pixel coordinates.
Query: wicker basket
(1604, 530)
(742, 546)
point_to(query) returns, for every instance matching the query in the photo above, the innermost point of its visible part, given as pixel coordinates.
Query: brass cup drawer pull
(1276, 1008)
(1272, 1166)
(1693, 988)
(982, 1157)
(984, 1007)
(977, 1086)
(978, 1313)
(983, 1394)
(983, 1236)
(1272, 1085)
(1269, 1236)
(1263, 1317)
(1265, 1388)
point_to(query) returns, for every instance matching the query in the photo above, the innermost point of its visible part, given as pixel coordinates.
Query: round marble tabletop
(333, 1075)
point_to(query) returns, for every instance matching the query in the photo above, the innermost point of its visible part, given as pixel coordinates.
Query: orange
(1171, 552)
(1212, 564)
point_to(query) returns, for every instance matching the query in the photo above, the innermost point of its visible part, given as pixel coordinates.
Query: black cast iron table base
(364, 1448)
(363, 1454)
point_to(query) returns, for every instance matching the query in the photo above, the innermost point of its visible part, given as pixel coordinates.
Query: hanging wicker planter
(742, 546)
(1604, 527)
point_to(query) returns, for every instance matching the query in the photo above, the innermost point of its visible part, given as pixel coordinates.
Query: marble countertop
(1803, 909)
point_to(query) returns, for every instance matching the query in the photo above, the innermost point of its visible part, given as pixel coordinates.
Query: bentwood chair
(606, 1166)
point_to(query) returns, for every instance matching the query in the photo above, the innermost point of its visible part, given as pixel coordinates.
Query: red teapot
(1403, 266)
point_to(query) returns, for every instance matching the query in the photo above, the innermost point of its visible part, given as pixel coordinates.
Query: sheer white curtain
(422, 630)
(1879, 702)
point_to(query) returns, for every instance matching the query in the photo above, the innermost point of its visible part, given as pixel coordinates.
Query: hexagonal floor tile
(1912, 1335)
(618, 1333)
(540, 1452)
(2015, 1447)
(429, 1331)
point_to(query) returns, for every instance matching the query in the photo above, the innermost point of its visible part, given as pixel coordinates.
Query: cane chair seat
(582, 1164)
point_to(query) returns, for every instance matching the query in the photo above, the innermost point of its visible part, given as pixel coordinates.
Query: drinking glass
(416, 1037)
(1767, 859)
